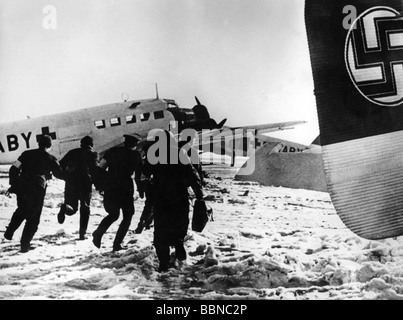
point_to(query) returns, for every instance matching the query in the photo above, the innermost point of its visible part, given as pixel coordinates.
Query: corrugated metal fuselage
(106, 124)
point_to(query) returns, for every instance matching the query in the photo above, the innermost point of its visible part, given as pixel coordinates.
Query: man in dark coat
(171, 206)
(78, 165)
(120, 163)
(28, 180)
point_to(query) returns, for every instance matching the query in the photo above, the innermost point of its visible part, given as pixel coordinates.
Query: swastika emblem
(374, 55)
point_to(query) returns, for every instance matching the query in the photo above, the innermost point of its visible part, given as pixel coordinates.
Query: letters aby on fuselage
(23, 140)
(14, 142)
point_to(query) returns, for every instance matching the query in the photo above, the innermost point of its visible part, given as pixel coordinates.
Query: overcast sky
(247, 61)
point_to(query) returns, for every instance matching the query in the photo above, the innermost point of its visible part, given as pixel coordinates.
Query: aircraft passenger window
(158, 114)
(130, 119)
(145, 116)
(115, 122)
(100, 124)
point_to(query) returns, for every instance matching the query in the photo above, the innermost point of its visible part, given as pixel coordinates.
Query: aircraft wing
(259, 140)
(239, 131)
(263, 138)
(237, 141)
(242, 141)
(269, 127)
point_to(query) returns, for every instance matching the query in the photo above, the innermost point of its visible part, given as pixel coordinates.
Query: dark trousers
(171, 222)
(30, 203)
(113, 203)
(79, 193)
(147, 215)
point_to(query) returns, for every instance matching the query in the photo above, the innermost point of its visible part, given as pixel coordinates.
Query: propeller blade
(220, 125)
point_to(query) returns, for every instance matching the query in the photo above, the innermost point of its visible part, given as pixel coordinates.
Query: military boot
(180, 252)
(8, 234)
(96, 238)
(65, 209)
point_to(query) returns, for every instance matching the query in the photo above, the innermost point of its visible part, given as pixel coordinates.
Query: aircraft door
(69, 137)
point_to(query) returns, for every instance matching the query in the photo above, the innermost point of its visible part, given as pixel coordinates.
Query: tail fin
(356, 56)
(317, 141)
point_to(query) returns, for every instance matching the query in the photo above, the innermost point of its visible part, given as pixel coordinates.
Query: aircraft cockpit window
(134, 105)
(131, 119)
(145, 116)
(171, 103)
(100, 124)
(115, 122)
(158, 114)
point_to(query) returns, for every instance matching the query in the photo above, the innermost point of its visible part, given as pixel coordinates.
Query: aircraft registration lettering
(290, 149)
(13, 142)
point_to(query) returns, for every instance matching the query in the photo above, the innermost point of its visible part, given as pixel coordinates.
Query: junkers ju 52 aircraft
(107, 124)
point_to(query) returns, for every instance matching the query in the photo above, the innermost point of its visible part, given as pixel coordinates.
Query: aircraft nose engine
(200, 111)
(202, 118)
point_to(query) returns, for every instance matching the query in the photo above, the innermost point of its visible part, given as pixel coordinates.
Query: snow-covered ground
(264, 243)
